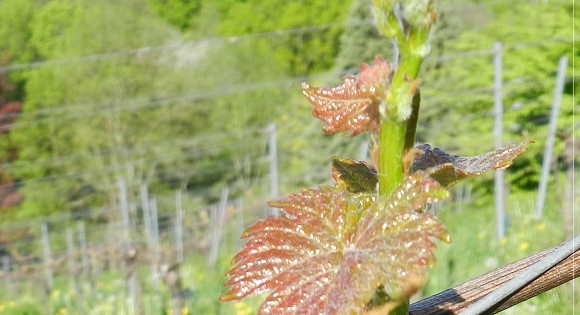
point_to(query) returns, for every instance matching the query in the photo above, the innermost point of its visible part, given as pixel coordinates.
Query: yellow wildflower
(523, 246)
(55, 294)
(242, 309)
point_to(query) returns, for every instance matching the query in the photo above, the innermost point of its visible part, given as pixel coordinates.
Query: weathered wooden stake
(558, 91)
(217, 224)
(155, 243)
(85, 262)
(273, 155)
(498, 133)
(144, 195)
(7, 275)
(569, 220)
(129, 252)
(47, 257)
(71, 260)
(178, 227)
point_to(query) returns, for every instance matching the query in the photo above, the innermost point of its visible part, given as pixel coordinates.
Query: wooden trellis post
(273, 157)
(558, 91)
(178, 225)
(498, 133)
(71, 260)
(47, 257)
(130, 252)
(6, 269)
(218, 214)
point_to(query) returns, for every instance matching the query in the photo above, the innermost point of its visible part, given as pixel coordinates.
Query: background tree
(135, 116)
(466, 35)
(179, 13)
(530, 59)
(84, 115)
(361, 43)
(302, 53)
(9, 111)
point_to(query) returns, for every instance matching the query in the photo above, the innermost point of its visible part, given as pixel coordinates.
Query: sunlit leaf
(311, 260)
(377, 75)
(353, 105)
(358, 176)
(448, 169)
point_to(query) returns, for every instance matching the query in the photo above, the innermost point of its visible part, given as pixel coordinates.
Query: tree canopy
(176, 94)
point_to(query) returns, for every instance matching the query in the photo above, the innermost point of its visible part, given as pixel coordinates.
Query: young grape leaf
(376, 75)
(358, 176)
(353, 105)
(448, 169)
(311, 261)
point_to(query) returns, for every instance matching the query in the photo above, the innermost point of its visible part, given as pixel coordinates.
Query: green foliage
(15, 30)
(25, 307)
(78, 134)
(309, 167)
(361, 43)
(243, 101)
(535, 36)
(458, 104)
(300, 53)
(50, 26)
(87, 124)
(366, 241)
(179, 13)
(67, 29)
(71, 93)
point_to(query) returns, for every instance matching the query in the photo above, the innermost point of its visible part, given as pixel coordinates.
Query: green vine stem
(394, 139)
(391, 153)
(401, 112)
(402, 309)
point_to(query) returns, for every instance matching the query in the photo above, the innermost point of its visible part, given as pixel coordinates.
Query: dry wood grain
(457, 299)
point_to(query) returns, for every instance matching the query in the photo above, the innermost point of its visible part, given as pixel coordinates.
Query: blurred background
(139, 138)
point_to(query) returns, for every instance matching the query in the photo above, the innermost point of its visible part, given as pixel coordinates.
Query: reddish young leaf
(377, 75)
(448, 169)
(353, 105)
(313, 261)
